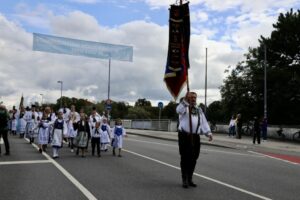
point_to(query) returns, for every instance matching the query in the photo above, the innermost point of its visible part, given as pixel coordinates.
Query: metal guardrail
(158, 125)
(171, 126)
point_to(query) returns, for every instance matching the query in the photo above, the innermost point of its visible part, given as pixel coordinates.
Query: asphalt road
(149, 169)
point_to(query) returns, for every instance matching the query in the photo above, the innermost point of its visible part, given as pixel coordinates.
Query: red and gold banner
(179, 40)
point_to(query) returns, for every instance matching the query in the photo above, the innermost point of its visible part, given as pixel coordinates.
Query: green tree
(79, 104)
(146, 105)
(119, 109)
(243, 89)
(283, 52)
(169, 111)
(215, 112)
(138, 113)
(142, 103)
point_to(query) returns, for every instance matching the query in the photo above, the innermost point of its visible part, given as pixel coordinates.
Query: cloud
(223, 5)
(34, 17)
(33, 73)
(85, 1)
(201, 16)
(166, 3)
(245, 30)
(75, 24)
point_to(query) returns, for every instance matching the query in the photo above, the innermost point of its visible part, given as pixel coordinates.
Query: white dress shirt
(184, 122)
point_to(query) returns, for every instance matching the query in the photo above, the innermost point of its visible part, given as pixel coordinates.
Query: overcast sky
(226, 27)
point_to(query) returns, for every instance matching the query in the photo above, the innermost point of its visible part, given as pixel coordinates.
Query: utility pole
(205, 92)
(108, 91)
(265, 82)
(42, 99)
(61, 87)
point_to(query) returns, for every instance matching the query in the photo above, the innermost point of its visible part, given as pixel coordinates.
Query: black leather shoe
(192, 184)
(185, 185)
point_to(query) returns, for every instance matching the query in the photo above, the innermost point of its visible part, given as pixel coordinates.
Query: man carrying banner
(189, 140)
(192, 121)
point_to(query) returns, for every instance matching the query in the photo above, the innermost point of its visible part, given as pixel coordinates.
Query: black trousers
(3, 134)
(95, 143)
(239, 133)
(256, 135)
(189, 149)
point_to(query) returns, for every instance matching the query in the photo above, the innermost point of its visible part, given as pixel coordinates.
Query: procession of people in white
(66, 126)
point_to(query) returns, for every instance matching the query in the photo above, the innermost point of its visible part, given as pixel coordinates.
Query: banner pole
(205, 98)
(188, 90)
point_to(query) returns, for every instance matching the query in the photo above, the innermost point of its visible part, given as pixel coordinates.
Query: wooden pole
(205, 80)
(188, 90)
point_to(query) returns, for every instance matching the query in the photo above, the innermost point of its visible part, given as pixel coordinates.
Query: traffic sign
(108, 107)
(160, 105)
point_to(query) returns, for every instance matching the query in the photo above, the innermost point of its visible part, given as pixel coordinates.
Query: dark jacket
(78, 126)
(4, 117)
(256, 126)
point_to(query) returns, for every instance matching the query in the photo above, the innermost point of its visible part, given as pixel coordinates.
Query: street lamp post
(265, 82)
(61, 87)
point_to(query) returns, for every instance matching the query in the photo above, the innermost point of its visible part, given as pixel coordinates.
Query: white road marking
(232, 153)
(202, 149)
(201, 176)
(152, 142)
(264, 155)
(85, 191)
(24, 162)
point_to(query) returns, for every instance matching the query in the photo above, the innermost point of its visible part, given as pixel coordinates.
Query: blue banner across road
(61, 45)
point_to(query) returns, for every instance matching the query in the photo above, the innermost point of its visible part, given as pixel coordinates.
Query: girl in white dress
(43, 132)
(72, 133)
(21, 123)
(14, 122)
(104, 134)
(96, 139)
(119, 132)
(59, 131)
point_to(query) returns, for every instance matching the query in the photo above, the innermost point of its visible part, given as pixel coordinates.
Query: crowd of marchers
(49, 128)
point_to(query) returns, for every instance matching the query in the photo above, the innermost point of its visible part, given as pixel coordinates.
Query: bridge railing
(171, 126)
(153, 124)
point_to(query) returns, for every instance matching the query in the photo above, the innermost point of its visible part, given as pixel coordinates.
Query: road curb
(171, 139)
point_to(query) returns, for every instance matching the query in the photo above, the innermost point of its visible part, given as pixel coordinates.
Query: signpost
(108, 108)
